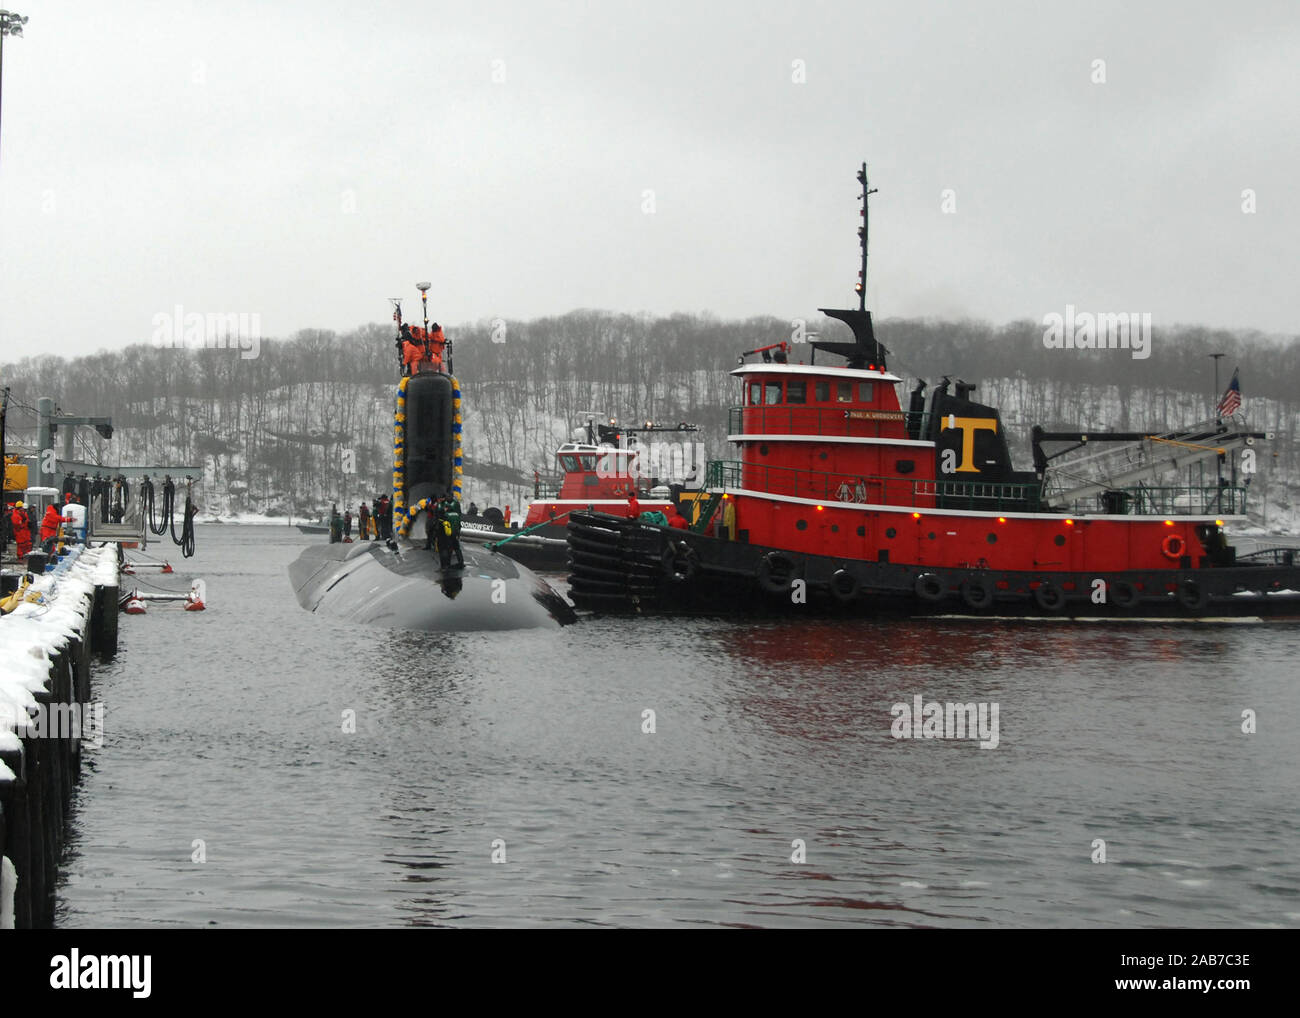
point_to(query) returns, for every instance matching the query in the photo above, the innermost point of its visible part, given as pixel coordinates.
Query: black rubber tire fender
(1049, 597)
(776, 572)
(1192, 595)
(680, 561)
(930, 588)
(844, 586)
(977, 592)
(1123, 594)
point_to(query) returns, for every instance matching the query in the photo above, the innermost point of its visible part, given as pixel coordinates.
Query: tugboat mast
(861, 286)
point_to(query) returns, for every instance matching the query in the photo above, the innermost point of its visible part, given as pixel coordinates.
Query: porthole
(891, 532)
(801, 525)
(1059, 539)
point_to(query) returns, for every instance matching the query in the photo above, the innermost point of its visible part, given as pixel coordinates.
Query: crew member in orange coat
(413, 352)
(22, 529)
(50, 523)
(436, 343)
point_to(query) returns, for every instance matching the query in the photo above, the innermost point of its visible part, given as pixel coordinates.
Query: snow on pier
(45, 717)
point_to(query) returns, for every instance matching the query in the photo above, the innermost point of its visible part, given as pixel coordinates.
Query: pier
(59, 620)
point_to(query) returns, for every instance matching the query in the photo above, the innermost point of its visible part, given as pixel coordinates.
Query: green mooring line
(497, 544)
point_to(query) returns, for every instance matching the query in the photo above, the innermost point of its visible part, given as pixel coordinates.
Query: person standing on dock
(50, 524)
(363, 520)
(347, 524)
(336, 526)
(22, 529)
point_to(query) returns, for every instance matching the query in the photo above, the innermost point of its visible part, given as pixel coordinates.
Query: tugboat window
(772, 395)
(796, 392)
(844, 392)
(822, 392)
(755, 393)
(866, 393)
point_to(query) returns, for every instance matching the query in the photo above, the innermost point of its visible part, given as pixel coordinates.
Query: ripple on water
(227, 730)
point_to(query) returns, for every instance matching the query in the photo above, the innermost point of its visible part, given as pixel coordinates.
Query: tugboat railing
(1165, 500)
(863, 489)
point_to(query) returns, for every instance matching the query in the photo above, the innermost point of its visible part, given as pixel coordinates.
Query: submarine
(396, 582)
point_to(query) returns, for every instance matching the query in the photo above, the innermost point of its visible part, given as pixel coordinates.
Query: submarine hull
(406, 588)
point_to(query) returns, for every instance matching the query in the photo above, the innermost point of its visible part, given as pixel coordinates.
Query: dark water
(226, 726)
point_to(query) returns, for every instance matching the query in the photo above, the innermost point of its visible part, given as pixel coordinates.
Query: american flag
(1231, 401)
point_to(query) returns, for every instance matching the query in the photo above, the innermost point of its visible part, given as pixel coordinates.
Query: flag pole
(1218, 417)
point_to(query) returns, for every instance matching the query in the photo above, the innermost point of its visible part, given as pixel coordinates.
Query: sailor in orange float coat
(50, 522)
(413, 351)
(22, 530)
(436, 343)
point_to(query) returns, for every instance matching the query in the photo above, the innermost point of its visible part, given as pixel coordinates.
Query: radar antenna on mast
(865, 351)
(867, 191)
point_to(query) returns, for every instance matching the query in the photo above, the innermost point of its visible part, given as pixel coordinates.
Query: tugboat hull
(621, 566)
(372, 584)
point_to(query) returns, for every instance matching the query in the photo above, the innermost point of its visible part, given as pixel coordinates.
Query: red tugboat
(601, 470)
(841, 499)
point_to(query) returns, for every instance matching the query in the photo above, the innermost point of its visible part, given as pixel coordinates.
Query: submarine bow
(406, 589)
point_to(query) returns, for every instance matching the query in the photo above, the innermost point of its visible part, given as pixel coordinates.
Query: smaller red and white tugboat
(601, 470)
(839, 499)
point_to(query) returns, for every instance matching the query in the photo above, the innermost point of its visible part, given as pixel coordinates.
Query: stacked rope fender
(456, 430)
(401, 513)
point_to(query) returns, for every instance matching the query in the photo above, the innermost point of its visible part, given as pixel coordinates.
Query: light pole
(10, 24)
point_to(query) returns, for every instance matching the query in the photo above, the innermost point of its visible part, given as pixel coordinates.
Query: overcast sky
(305, 161)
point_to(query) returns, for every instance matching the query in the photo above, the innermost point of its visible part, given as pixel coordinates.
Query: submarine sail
(400, 582)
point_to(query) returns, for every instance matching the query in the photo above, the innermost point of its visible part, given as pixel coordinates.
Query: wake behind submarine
(398, 583)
